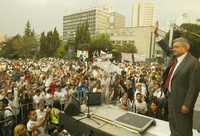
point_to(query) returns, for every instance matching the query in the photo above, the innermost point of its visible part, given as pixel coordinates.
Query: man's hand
(156, 29)
(185, 109)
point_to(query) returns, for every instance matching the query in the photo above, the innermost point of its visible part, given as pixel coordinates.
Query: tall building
(97, 19)
(143, 13)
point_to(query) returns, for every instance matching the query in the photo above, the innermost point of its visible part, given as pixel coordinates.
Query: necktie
(172, 67)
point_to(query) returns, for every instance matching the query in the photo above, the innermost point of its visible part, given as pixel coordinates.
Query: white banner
(82, 53)
(139, 58)
(127, 57)
(108, 67)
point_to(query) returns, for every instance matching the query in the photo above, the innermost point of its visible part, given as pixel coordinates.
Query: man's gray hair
(183, 41)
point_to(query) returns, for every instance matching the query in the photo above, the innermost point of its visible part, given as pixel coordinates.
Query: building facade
(97, 19)
(143, 13)
(116, 20)
(142, 37)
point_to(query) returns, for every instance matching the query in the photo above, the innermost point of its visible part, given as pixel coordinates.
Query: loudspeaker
(93, 98)
(73, 107)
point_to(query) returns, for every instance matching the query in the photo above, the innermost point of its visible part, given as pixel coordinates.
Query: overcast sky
(47, 14)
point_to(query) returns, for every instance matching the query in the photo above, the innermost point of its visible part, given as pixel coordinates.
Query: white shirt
(61, 95)
(179, 60)
(49, 99)
(158, 93)
(37, 98)
(141, 107)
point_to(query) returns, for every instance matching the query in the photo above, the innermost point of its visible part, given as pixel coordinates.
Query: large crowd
(34, 92)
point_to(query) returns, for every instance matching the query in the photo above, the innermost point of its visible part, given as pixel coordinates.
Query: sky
(44, 15)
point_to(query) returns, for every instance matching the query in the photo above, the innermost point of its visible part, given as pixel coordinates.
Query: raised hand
(156, 29)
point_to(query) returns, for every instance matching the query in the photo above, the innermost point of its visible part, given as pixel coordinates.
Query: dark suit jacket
(185, 84)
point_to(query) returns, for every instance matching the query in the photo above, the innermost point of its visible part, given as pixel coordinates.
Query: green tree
(60, 51)
(82, 36)
(13, 48)
(198, 20)
(28, 31)
(101, 42)
(56, 39)
(190, 32)
(43, 44)
(21, 46)
(30, 41)
(126, 48)
(49, 43)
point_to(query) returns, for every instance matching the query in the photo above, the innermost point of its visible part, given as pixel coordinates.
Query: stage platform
(103, 123)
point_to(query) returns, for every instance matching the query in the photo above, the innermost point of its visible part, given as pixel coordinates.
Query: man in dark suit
(181, 80)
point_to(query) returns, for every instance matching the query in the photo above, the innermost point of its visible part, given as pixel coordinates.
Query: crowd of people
(34, 92)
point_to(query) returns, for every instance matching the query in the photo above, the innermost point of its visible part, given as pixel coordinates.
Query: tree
(190, 32)
(22, 46)
(28, 31)
(31, 44)
(198, 20)
(56, 39)
(43, 44)
(28, 46)
(193, 36)
(101, 42)
(60, 51)
(82, 36)
(49, 43)
(126, 48)
(13, 48)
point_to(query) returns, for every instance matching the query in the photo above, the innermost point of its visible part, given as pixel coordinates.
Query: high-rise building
(97, 19)
(143, 13)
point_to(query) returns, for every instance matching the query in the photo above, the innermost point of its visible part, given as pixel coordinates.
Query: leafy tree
(28, 31)
(190, 32)
(61, 51)
(21, 46)
(43, 44)
(13, 48)
(126, 48)
(101, 42)
(31, 44)
(49, 43)
(82, 36)
(198, 20)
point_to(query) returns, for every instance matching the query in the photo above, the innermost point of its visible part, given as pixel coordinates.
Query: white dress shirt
(179, 60)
